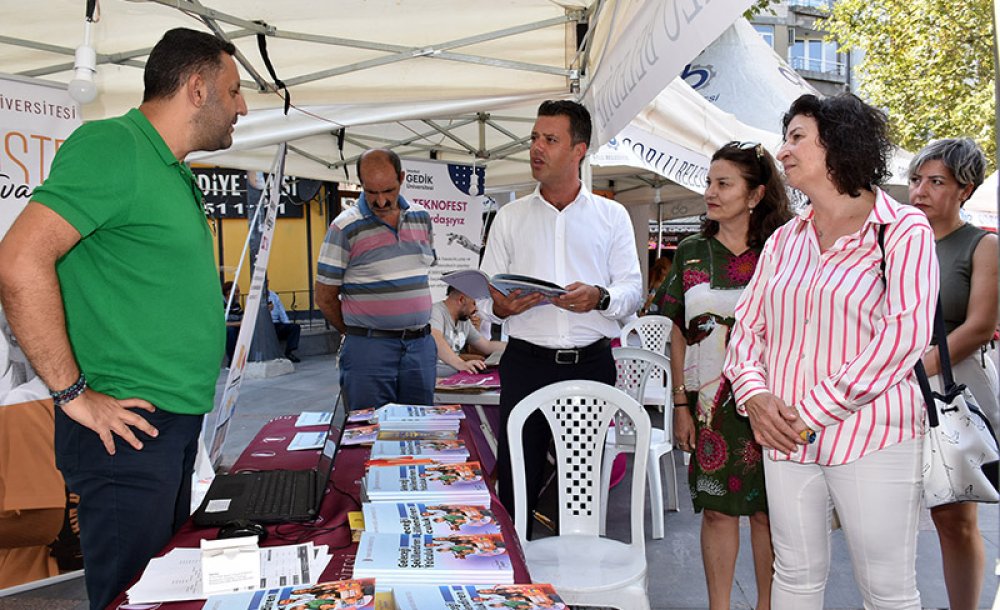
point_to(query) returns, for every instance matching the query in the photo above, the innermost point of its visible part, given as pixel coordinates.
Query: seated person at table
(453, 331)
(286, 330)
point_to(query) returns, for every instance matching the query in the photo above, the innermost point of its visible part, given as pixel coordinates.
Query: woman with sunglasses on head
(745, 203)
(942, 177)
(822, 354)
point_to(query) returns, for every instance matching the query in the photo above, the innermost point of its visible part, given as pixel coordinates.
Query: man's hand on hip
(107, 416)
(579, 298)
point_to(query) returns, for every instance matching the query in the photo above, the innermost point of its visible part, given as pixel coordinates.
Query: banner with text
(633, 147)
(35, 119)
(215, 441)
(453, 195)
(658, 39)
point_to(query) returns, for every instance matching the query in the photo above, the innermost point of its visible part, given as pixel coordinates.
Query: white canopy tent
(740, 73)
(418, 75)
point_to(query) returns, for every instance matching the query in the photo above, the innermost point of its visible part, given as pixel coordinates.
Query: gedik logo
(419, 179)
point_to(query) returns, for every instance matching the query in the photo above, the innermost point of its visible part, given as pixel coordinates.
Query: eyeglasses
(754, 146)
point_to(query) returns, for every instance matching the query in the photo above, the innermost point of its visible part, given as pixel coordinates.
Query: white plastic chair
(636, 367)
(653, 331)
(654, 334)
(585, 568)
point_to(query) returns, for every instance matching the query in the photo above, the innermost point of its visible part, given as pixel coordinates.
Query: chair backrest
(653, 331)
(635, 367)
(579, 413)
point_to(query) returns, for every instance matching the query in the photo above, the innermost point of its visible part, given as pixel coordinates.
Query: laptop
(269, 496)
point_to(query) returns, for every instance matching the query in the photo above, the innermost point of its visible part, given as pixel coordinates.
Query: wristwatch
(604, 298)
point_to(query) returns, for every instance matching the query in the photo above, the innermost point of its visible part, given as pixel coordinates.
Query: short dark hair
(379, 153)
(180, 53)
(580, 126)
(855, 136)
(758, 169)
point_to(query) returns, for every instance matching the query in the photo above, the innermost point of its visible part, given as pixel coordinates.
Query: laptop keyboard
(275, 494)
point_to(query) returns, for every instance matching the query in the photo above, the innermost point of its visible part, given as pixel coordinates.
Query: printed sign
(453, 195)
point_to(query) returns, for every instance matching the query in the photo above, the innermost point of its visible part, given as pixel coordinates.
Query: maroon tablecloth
(267, 452)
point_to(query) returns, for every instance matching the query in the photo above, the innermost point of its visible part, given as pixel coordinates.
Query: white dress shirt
(591, 240)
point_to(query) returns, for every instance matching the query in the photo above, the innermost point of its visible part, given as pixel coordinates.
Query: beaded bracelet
(71, 393)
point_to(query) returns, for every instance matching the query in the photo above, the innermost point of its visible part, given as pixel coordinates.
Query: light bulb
(82, 87)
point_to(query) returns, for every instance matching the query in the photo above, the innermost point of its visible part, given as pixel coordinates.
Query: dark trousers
(377, 370)
(289, 333)
(522, 372)
(132, 502)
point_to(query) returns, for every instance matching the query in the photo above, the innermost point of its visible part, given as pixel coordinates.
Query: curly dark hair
(758, 169)
(855, 136)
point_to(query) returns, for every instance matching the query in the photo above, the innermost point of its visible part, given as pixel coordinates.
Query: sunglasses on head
(754, 146)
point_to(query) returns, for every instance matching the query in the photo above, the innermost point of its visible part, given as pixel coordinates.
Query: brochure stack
(443, 451)
(478, 597)
(414, 417)
(460, 483)
(396, 559)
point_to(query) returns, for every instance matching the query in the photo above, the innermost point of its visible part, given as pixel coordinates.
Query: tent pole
(659, 225)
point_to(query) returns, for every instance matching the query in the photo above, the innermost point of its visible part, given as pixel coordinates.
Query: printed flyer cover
(435, 519)
(434, 480)
(471, 597)
(360, 435)
(395, 412)
(438, 450)
(405, 558)
(355, 594)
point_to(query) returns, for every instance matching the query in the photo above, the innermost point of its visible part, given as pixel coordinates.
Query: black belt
(377, 333)
(571, 355)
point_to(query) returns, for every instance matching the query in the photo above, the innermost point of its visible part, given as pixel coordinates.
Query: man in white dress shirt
(565, 234)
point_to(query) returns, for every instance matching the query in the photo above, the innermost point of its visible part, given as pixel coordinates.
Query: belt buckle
(567, 356)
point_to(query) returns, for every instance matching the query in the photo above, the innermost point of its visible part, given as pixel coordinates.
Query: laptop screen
(329, 452)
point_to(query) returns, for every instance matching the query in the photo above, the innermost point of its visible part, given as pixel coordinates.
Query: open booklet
(475, 283)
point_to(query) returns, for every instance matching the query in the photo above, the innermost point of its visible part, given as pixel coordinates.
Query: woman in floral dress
(745, 202)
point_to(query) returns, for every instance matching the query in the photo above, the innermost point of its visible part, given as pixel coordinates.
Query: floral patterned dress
(700, 294)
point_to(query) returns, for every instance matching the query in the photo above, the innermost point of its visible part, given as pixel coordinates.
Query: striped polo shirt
(382, 271)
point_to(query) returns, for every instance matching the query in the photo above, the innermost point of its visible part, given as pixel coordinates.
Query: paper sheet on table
(314, 418)
(307, 440)
(177, 575)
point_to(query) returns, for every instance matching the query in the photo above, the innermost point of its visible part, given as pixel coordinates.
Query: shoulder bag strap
(942, 343)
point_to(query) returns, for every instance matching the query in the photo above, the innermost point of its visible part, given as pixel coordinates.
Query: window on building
(820, 4)
(767, 33)
(816, 55)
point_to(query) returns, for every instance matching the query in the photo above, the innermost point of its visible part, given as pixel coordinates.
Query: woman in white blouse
(821, 360)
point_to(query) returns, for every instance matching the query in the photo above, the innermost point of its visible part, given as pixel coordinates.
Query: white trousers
(877, 499)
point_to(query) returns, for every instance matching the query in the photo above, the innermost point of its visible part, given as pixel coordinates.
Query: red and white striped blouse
(823, 332)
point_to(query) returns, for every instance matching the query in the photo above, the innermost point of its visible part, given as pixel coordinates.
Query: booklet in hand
(474, 283)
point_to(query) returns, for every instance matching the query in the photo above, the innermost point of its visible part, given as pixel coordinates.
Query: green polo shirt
(140, 289)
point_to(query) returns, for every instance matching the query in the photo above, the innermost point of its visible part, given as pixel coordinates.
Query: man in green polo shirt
(109, 283)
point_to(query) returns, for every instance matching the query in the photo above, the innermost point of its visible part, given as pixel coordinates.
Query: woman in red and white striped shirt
(822, 354)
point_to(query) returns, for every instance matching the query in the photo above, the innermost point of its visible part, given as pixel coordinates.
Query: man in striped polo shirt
(371, 284)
